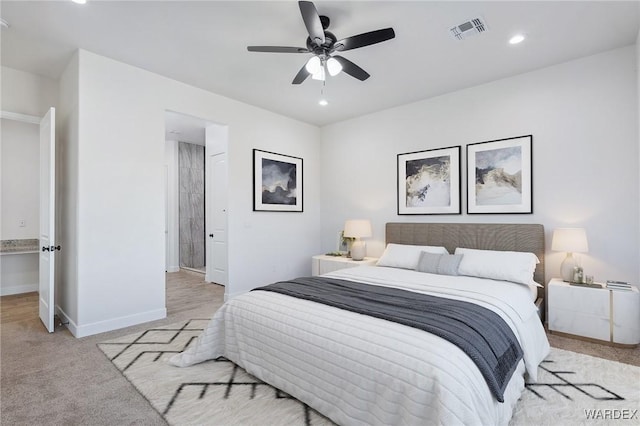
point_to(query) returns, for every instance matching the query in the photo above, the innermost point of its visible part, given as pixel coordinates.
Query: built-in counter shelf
(25, 246)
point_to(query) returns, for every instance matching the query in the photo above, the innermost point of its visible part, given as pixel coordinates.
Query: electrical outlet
(21, 223)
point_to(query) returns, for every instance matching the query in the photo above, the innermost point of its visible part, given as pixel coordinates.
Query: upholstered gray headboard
(484, 236)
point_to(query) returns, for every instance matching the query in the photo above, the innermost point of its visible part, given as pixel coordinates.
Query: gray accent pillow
(441, 264)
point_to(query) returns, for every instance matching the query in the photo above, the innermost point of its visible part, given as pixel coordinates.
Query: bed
(366, 370)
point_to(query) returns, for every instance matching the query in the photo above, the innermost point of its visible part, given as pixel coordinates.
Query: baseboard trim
(18, 289)
(173, 269)
(66, 321)
(115, 323)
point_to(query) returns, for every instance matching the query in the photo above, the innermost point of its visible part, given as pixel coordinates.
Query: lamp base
(566, 267)
(358, 250)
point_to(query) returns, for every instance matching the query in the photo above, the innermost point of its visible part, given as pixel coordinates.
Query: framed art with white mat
(500, 176)
(429, 181)
(277, 182)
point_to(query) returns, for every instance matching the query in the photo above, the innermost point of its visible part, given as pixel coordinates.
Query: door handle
(210, 235)
(45, 248)
(54, 248)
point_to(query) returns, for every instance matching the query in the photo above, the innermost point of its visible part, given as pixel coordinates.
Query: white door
(47, 208)
(217, 219)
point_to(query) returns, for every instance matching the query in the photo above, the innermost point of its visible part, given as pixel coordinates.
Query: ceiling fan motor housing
(325, 48)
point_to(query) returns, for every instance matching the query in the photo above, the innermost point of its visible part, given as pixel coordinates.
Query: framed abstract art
(429, 181)
(277, 182)
(500, 176)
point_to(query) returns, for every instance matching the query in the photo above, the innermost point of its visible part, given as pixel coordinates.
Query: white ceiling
(203, 43)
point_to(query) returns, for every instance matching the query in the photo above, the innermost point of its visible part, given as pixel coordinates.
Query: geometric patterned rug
(572, 388)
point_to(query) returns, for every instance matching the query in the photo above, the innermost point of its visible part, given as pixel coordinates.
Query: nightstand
(600, 314)
(321, 264)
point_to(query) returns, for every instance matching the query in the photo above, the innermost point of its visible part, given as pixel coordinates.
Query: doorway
(28, 150)
(196, 197)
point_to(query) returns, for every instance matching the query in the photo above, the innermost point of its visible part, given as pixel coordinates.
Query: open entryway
(196, 196)
(28, 248)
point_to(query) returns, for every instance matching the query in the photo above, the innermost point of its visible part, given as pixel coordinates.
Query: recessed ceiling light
(323, 102)
(3, 23)
(518, 38)
(79, 1)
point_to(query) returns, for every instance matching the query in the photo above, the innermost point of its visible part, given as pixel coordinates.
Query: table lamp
(570, 240)
(357, 229)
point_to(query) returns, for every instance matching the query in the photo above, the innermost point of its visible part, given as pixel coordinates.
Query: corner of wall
(67, 136)
(89, 329)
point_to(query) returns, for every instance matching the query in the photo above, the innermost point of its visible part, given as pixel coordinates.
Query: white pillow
(514, 266)
(406, 256)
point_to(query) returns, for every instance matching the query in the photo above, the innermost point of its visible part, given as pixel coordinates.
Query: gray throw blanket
(481, 333)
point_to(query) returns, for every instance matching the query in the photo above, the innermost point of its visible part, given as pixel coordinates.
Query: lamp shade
(571, 240)
(357, 229)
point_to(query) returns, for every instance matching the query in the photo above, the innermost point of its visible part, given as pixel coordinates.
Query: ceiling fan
(323, 44)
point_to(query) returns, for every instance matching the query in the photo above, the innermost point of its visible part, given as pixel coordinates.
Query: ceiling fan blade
(352, 69)
(301, 76)
(277, 49)
(312, 22)
(364, 39)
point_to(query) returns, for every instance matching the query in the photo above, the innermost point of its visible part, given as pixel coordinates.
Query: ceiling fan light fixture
(334, 67)
(320, 75)
(314, 65)
(322, 44)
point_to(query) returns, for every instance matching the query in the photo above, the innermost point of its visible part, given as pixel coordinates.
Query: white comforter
(359, 370)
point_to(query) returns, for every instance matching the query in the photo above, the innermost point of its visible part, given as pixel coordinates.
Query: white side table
(321, 264)
(600, 314)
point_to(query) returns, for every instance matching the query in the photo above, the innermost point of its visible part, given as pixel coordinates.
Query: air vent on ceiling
(471, 27)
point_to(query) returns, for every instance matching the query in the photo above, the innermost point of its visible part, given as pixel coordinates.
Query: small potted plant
(346, 243)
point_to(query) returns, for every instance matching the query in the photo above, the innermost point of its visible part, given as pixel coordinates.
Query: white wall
(67, 153)
(20, 152)
(172, 218)
(638, 103)
(27, 93)
(19, 273)
(584, 119)
(120, 201)
(33, 95)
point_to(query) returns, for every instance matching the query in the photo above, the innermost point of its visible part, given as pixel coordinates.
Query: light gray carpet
(573, 388)
(56, 379)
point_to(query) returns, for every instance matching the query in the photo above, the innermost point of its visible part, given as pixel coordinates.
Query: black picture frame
(429, 182)
(500, 176)
(277, 182)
